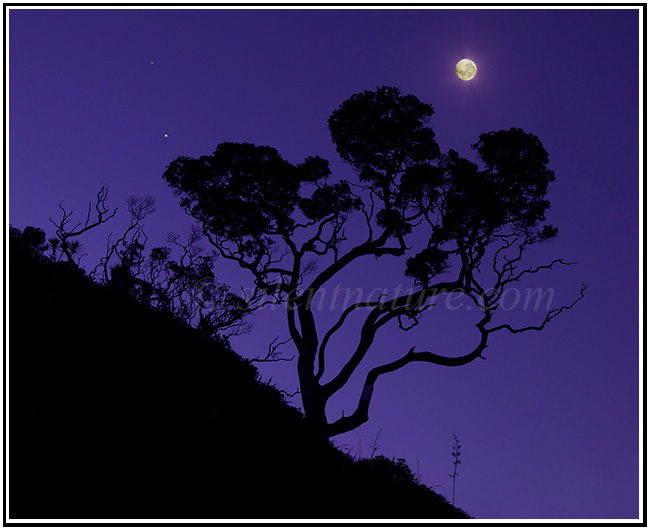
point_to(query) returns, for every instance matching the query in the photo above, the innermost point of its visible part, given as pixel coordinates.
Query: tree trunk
(312, 395)
(313, 401)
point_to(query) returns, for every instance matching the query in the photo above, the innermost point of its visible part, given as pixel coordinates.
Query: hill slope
(119, 411)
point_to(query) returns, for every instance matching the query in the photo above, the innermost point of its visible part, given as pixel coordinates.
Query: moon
(466, 69)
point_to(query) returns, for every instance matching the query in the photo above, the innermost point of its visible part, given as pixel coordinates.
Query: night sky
(549, 422)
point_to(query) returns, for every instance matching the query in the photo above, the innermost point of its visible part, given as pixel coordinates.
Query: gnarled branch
(360, 415)
(337, 325)
(102, 215)
(551, 314)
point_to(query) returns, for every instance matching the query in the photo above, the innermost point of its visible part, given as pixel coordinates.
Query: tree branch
(360, 415)
(101, 217)
(551, 314)
(367, 248)
(329, 333)
(272, 352)
(379, 316)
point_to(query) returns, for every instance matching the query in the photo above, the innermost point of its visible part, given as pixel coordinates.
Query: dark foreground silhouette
(119, 411)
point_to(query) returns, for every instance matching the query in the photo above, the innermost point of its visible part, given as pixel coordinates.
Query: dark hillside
(119, 411)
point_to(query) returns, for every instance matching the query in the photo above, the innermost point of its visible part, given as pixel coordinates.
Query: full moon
(466, 69)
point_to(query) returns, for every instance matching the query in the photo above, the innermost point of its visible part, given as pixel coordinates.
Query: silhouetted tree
(282, 221)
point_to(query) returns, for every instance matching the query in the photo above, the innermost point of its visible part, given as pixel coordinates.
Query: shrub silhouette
(118, 410)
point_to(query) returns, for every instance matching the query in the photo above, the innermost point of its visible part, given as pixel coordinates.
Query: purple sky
(549, 422)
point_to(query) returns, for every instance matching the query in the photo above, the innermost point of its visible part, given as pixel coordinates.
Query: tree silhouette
(285, 224)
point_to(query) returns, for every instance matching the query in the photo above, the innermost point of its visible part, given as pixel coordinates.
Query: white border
(397, 522)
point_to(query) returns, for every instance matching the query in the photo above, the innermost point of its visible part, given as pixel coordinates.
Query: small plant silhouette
(376, 443)
(456, 452)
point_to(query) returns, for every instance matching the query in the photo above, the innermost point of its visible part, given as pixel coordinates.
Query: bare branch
(273, 354)
(368, 248)
(128, 248)
(288, 394)
(378, 317)
(336, 327)
(65, 235)
(533, 270)
(270, 383)
(360, 415)
(551, 314)
(260, 273)
(404, 326)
